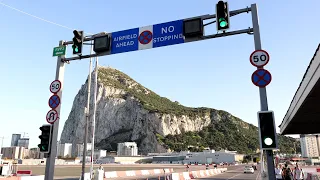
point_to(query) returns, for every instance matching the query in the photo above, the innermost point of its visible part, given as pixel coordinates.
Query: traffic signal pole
(87, 112)
(49, 171)
(262, 91)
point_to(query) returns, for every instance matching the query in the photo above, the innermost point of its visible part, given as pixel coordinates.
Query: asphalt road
(235, 173)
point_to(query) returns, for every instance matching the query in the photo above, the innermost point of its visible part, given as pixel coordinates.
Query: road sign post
(49, 171)
(262, 90)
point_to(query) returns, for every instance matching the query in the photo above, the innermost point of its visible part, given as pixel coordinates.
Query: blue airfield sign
(147, 37)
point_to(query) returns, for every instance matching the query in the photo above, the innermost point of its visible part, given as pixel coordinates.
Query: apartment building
(310, 145)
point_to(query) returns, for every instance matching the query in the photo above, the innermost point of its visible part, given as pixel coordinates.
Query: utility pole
(262, 91)
(49, 171)
(87, 113)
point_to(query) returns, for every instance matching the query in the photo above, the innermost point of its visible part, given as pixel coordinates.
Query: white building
(79, 149)
(64, 150)
(211, 156)
(127, 149)
(98, 154)
(310, 145)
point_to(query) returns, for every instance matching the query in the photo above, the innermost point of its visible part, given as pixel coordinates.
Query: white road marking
(259, 175)
(236, 174)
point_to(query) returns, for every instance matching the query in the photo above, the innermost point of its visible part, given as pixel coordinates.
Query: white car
(248, 169)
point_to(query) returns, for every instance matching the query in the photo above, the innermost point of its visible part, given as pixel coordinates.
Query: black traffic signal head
(193, 28)
(222, 16)
(77, 42)
(45, 137)
(267, 130)
(101, 43)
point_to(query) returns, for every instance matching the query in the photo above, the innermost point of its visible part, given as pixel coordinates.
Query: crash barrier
(121, 174)
(197, 174)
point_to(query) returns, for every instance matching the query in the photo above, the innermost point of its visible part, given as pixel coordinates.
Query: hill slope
(127, 111)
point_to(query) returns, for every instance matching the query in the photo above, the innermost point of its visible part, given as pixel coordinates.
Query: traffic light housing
(45, 137)
(101, 43)
(77, 42)
(193, 28)
(267, 130)
(222, 16)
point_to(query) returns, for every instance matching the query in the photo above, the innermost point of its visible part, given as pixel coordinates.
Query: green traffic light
(76, 49)
(43, 148)
(223, 22)
(268, 141)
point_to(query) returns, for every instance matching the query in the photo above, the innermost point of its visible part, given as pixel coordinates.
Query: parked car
(248, 169)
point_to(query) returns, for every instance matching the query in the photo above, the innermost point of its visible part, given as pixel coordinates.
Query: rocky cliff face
(127, 111)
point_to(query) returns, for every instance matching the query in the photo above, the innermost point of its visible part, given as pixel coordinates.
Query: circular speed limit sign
(259, 58)
(55, 86)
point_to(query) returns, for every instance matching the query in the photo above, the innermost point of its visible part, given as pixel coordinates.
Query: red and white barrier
(122, 174)
(197, 174)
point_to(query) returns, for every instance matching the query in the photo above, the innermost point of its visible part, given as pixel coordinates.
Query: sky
(213, 73)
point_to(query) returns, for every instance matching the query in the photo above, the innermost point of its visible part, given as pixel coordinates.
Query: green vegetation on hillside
(225, 135)
(150, 101)
(228, 133)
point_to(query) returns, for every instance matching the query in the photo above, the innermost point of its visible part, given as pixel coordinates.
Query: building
(34, 153)
(310, 145)
(23, 142)
(78, 150)
(127, 149)
(168, 159)
(13, 152)
(14, 139)
(64, 150)
(124, 159)
(204, 157)
(219, 157)
(98, 154)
